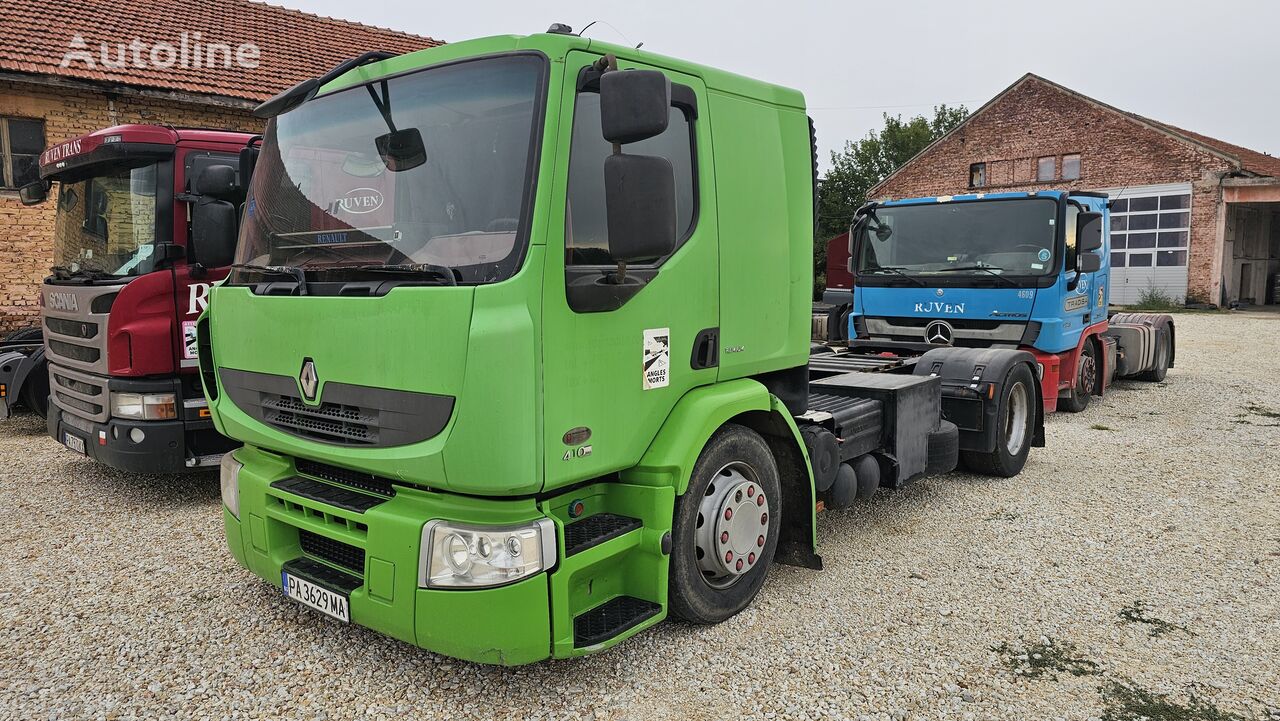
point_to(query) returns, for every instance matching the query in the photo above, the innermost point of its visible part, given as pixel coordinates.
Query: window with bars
(21, 142)
(1150, 231)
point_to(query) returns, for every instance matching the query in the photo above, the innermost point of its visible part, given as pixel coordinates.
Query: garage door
(1150, 239)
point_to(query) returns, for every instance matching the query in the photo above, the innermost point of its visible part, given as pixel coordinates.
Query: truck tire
(1085, 384)
(1160, 365)
(35, 392)
(1016, 423)
(725, 528)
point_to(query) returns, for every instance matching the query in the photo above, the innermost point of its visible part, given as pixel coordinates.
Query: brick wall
(1036, 119)
(26, 233)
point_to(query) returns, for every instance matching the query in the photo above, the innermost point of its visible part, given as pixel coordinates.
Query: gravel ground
(1146, 570)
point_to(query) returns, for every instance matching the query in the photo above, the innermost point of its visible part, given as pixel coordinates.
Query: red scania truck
(146, 222)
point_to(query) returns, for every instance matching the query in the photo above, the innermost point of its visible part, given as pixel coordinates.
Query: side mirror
(1088, 232)
(213, 233)
(640, 207)
(401, 149)
(1088, 262)
(34, 193)
(634, 105)
(217, 181)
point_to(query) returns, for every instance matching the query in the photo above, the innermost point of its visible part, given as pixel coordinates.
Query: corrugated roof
(37, 35)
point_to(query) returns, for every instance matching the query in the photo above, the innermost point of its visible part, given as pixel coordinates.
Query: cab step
(593, 530)
(610, 619)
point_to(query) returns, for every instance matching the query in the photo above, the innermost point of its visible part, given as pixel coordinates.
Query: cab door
(616, 359)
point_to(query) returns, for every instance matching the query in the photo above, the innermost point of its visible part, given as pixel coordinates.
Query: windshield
(969, 238)
(106, 224)
(426, 170)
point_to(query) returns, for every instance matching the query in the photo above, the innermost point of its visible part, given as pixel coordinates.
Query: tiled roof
(1250, 160)
(36, 35)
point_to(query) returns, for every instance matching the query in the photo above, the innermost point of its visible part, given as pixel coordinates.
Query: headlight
(458, 556)
(144, 406)
(229, 471)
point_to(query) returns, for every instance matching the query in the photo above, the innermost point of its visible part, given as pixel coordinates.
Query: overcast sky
(1208, 67)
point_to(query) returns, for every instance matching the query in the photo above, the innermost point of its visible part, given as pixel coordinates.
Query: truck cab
(518, 329)
(1001, 270)
(145, 224)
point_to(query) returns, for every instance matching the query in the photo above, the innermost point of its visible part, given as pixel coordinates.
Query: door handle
(706, 349)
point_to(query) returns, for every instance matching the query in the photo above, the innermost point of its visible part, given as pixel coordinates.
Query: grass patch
(1128, 702)
(1100, 427)
(1137, 612)
(1044, 659)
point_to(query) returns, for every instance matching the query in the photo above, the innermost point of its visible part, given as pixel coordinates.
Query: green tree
(862, 164)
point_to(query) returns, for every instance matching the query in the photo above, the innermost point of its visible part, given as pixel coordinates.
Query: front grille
(347, 415)
(329, 422)
(75, 352)
(80, 387)
(92, 409)
(957, 323)
(76, 328)
(335, 552)
(346, 477)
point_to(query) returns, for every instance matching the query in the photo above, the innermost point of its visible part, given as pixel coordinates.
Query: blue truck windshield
(1016, 237)
(427, 169)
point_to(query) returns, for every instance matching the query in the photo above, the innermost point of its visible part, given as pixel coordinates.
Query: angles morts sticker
(657, 358)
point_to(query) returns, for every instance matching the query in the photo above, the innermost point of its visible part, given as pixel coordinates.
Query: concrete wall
(26, 233)
(1036, 119)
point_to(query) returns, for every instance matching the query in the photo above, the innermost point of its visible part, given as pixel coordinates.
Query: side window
(586, 231)
(1069, 258)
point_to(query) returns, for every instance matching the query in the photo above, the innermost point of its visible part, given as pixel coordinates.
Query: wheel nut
(737, 497)
(764, 519)
(724, 537)
(738, 565)
(751, 491)
(751, 558)
(728, 513)
(728, 556)
(760, 542)
(760, 500)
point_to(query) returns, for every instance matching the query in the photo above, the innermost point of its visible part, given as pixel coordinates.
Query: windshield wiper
(298, 274)
(897, 270)
(990, 269)
(444, 272)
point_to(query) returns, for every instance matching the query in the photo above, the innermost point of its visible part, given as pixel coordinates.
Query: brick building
(1194, 216)
(75, 66)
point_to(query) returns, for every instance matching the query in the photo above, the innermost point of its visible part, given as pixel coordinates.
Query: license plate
(75, 443)
(321, 599)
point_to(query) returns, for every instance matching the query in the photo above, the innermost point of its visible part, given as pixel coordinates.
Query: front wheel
(726, 527)
(1016, 423)
(1085, 384)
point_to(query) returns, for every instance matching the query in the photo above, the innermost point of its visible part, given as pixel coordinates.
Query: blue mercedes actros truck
(1024, 270)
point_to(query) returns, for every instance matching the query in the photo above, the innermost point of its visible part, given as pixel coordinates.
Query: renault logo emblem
(939, 332)
(309, 380)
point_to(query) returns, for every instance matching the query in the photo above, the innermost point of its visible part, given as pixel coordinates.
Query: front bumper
(523, 622)
(170, 446)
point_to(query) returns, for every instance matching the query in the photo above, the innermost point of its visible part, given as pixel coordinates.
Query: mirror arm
(609, 63)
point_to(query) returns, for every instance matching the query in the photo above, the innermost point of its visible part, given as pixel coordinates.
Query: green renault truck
(517, 343)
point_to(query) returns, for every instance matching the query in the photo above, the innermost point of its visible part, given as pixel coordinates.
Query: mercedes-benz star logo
(938, 292)
(939, 332)
(308, 379)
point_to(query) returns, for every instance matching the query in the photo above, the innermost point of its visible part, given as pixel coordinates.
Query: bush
(1154, 298)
